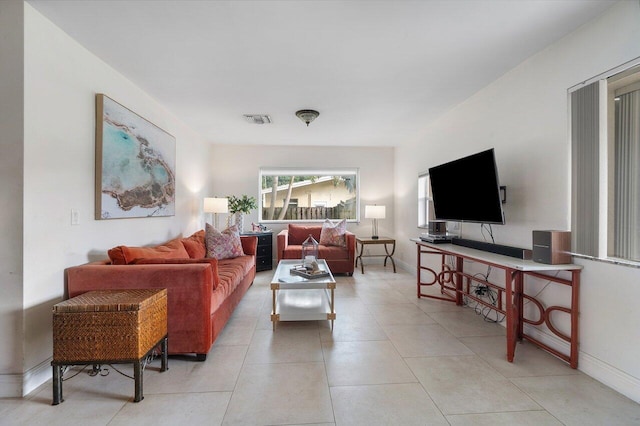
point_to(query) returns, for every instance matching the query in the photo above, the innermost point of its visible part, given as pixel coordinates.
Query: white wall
(523, 115)
(61, 79)
(235, 171)
(11, 125)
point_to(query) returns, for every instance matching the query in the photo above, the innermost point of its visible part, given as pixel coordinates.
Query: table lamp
(374, 212)
(215, 206)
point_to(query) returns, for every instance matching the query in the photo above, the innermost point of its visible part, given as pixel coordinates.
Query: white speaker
(552, 247)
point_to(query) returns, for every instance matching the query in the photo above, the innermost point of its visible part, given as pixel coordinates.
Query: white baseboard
(595, 368)
(617, 380)
(10, 385)
(19, 385)
(599, 370)
(36, 376)
(405, 266)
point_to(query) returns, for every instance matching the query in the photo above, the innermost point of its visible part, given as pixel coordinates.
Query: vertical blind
(585, 132)
(627, 176)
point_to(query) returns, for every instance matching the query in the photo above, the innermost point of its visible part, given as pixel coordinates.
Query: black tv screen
(467, 189)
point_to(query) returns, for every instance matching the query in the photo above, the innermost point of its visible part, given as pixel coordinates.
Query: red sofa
(201, 292)
(341, 260)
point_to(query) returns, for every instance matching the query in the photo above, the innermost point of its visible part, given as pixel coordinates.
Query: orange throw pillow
(124, 255)
(195, 245)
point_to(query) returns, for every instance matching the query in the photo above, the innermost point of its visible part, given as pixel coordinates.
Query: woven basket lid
(111, 300)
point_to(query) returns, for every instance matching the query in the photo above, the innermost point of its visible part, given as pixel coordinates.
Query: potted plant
(239, 206)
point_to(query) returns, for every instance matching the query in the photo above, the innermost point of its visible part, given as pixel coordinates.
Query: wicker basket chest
(109, 327)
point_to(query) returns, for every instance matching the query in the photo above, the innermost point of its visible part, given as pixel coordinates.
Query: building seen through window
(308, 194)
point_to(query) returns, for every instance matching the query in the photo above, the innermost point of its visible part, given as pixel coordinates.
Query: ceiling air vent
(257, 118)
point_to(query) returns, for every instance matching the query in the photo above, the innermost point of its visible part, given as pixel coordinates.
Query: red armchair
(341, 260)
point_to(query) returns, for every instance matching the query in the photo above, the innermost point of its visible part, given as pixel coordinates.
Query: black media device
(517, 252)
(467, 190)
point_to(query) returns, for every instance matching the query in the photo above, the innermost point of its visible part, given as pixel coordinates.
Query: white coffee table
(300, 299)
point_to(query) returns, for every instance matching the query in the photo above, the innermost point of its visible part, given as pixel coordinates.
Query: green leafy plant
(242, 204)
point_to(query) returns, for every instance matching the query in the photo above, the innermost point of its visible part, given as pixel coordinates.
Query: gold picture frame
(135, 164)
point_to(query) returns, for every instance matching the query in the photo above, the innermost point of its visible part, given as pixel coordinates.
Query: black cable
(484, 291)
(489, 231)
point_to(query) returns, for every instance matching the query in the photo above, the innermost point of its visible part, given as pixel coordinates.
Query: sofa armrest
(350, 239)
(189, 292)
(282, 243)
(249, 244)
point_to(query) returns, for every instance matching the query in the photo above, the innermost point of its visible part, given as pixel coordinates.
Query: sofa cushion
(230, 275)
(299, 233)
(123, 255)
(195, 245)
(332, 253)
(333, 234)
(324, 252)
(231, 272)
(246, 263)
(223, 245)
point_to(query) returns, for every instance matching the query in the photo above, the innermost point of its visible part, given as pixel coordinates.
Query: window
(605, 145)
(626, 166)
(308, 194)
(425, 202)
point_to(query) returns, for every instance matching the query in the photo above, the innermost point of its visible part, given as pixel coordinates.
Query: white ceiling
(377, 71)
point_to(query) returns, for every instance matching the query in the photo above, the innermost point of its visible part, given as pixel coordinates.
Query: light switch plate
(75, 217)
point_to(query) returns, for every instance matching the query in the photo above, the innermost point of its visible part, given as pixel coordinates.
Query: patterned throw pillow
(333, 235)
(223, 245)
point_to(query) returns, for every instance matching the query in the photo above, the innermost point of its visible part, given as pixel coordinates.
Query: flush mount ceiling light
(307, 115)
(257, 118)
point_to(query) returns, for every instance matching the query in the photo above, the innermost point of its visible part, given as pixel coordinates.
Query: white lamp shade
(216, 205)
(374, 212)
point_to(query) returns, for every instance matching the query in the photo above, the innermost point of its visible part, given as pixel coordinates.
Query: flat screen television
(467, 189)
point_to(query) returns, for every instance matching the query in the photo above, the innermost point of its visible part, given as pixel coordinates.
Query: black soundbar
(510, 251)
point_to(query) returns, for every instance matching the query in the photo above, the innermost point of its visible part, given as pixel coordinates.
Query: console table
(361, 241)
(455, 284)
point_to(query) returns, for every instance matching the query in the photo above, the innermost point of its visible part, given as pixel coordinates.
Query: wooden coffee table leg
(273, 309)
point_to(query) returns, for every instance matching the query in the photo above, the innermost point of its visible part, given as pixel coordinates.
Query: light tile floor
(392, 359)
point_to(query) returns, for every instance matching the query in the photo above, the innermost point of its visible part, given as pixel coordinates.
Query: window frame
(308, 171)
(609, 82)
(425, 201)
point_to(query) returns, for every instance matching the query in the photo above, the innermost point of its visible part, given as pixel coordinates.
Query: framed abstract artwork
(135, 164)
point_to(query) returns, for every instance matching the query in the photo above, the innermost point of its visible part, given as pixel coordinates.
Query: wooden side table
(363, 241)
(109, 327)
